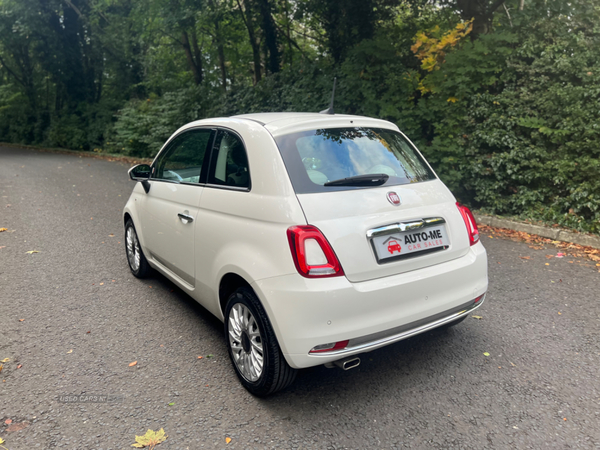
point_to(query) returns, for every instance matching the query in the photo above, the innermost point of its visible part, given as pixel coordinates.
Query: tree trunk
(270, 33)
(221, 54)
(249, 22)
(185, 42)
(197, 54)
(481, 15)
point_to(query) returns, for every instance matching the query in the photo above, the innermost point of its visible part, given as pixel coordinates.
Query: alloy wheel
(133, 249)
(246, 342)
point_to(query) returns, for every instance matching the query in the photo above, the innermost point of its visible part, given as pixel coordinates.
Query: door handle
(185, 217)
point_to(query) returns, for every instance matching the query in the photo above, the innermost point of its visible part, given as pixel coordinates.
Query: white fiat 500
(313, 237)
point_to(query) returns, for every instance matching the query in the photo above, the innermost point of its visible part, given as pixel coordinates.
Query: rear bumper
(371, 314)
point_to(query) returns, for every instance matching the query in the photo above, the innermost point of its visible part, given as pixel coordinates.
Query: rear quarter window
(315, 157)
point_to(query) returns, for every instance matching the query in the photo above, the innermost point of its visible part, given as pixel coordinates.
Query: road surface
(73, 318)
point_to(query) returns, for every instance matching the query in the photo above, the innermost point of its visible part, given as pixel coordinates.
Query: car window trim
(213, 152)
(203, 170)
(226, 187)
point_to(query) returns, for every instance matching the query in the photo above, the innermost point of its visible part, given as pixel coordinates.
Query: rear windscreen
(316, 157)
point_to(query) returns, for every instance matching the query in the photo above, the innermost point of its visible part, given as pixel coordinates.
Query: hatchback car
(313, 237)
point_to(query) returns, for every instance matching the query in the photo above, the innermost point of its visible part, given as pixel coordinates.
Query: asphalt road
(86, 318)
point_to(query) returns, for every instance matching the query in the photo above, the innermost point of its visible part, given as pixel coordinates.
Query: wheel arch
(126, 217)
(230, 282)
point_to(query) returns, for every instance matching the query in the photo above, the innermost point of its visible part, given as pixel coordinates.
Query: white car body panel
(168, 239)
(311, 312)
(345, 217)
(244, 233)
(252, 244)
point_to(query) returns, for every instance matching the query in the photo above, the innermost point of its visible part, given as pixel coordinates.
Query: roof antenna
(330, 109)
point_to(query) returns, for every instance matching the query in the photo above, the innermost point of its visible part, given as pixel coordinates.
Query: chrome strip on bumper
(375, 340)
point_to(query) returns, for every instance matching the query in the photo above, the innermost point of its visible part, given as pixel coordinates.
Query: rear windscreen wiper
(370, 179)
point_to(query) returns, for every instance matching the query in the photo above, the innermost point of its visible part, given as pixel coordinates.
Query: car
(313, 237)
(393, 246)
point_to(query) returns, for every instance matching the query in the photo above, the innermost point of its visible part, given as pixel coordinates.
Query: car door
(170, 208)
(226, 210)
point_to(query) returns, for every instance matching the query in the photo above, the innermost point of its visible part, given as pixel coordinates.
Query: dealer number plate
(409, 242)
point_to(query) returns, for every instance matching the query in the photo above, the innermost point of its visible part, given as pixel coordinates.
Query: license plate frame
(403, 241)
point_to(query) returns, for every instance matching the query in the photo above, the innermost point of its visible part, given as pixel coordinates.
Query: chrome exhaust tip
(348, 363)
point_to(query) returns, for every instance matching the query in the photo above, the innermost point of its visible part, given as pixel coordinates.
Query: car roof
(288, 122)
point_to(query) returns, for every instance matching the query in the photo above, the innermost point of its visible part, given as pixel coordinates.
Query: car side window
(183, 159)
(229, 166)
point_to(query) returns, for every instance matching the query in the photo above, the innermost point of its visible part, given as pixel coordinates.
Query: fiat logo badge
(393, 198)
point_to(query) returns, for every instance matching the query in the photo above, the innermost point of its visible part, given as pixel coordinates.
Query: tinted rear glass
(316, 157)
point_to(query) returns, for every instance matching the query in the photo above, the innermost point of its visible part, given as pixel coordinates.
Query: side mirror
(141, 172)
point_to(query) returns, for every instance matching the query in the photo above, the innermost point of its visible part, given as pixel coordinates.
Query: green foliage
(523, 137)
(507, 113)
(144, 125)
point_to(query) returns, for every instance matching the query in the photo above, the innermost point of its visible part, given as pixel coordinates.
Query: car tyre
(252, 345)
(135, 256)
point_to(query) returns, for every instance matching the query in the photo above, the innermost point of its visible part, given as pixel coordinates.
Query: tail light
(313, 256)
(470, 223)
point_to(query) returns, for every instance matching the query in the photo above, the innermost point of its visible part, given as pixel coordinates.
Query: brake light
(313, 256)
(470, 223)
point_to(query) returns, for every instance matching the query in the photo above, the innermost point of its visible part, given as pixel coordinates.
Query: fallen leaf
(199, 357)
(70, 351)
(525, 257)
(3, 229)
(101, 284)
(564, 418)
(17, 426)
(209, 356)
(32, 251)
(1, 367)
(132, 364)
(19, 366)
(111, 235)
(477, 317)
(228, 439)
(486, 354)
(8, 421)
(150, 439)
(499, 367)
(547, 264)
(560, 314)
(171, 404)
(4, 246)
(88, 332)
(514, 365)
(1, 441)
(5, 360)
(21, 320)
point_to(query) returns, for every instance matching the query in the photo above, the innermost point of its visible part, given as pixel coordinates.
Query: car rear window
(315, 157)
